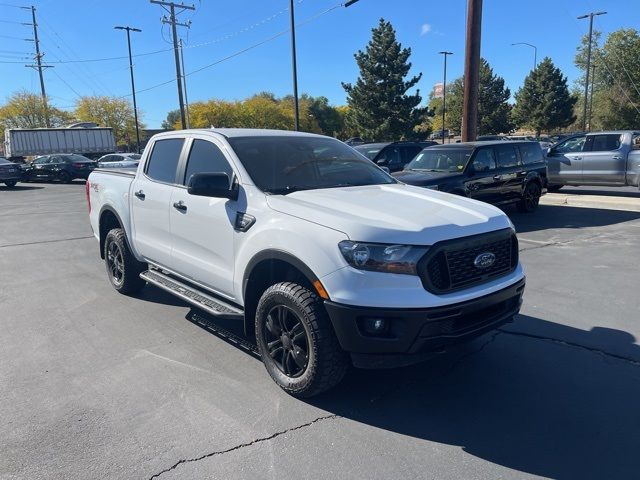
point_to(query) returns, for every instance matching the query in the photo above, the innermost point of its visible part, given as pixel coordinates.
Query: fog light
(374, 326)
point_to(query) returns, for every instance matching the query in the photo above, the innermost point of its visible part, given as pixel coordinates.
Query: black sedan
(10, 173)
(63, 168)
(496, 172)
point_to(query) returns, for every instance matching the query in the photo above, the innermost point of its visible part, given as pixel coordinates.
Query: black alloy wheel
(287, 341)
(115, 264)
(530, 198)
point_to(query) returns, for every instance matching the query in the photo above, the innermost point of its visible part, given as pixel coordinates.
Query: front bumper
(415, 334)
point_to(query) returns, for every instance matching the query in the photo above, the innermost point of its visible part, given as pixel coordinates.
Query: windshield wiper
(290, 189)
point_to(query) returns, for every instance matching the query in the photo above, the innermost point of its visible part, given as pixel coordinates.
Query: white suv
(327, 258)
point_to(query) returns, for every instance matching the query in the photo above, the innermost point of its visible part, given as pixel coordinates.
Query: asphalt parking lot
(97, 385)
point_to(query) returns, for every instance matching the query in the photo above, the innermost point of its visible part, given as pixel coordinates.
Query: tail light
(87, 186)
(79, 165)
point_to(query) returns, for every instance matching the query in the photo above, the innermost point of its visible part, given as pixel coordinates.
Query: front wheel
(10, 183)
(64, 177)
(296, 341)
(123, 269)
(530, 198)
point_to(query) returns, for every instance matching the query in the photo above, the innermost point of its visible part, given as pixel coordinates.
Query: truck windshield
(441, 160)
(284, 164)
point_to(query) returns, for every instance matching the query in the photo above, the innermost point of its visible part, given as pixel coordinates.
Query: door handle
(577, 158)
(140, 194)
(617, 157)
(522, 174)
(497, 177)
(180, 206)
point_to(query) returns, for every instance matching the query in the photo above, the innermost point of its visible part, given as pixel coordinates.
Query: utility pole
(593, 84)
(173, 21)
(444, 91)
(39, 66)
(133, 85)
(184, 81)
(586, 81)
(472, 70)
(296, 111)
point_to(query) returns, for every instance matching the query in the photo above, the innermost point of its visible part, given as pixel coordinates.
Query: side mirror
(216, 185)
(549, 152)
(382, 161)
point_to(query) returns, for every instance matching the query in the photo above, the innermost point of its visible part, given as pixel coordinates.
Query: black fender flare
(110, 209)
(275, 254)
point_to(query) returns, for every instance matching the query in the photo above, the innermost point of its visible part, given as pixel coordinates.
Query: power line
(625, 71)
(615, 80)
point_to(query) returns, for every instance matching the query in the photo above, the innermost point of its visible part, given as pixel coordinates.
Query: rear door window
(507, 156)
(163, 163)
(409, 152)
(531, 153)
(206, 157)
(603, 143)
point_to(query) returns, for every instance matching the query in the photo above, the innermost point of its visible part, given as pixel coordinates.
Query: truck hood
(395, 213)
(424, 178)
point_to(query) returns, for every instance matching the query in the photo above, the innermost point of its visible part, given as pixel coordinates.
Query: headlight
(432, 187)
(378, 257)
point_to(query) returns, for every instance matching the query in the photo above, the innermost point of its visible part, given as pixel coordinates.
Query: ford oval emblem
(484, 260)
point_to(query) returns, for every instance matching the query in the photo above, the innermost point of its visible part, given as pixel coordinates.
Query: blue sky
(83, 30)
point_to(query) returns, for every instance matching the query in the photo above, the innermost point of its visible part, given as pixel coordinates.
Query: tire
(553, 188)
(11, 183)
(311, 360)
(123, 270)
(530, 198)
(64, 177)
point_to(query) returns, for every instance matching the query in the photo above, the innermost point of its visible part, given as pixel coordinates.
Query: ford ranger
(321, 253)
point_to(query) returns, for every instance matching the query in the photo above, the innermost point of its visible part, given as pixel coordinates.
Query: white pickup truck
(327, 258)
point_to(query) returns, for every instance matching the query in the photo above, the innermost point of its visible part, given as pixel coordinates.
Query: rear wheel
(123, 269)
(296, 341)
(64, 177)
(10, 183)
(530, 198)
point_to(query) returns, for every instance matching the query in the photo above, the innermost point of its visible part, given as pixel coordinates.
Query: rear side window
(507, 156)
(604, 143)
(164, 159)
(206, 157)
(531, 153)
(485, 160)
(409, 153)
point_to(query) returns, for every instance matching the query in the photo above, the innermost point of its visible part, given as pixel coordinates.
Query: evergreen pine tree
(544, 102)
(380, 108)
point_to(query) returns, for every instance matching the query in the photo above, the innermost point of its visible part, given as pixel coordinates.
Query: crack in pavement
(454, 365)
(243, 445)
(45, 241)
(567, 343)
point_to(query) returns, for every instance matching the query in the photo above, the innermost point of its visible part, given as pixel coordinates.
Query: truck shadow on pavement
(19, 188)
(535, 396)
(548, 217)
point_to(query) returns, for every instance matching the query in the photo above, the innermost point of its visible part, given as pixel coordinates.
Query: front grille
(451, 265)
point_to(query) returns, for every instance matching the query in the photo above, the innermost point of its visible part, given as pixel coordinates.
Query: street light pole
(535, 52)
(444, 91)
(133, 84)
(586, 81)
(593, 84)
(294, 64)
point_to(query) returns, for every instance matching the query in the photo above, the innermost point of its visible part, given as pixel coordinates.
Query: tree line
(384, 102)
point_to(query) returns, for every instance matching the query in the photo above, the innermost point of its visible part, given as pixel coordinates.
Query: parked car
(392, 155)
(494, 172)
(441, 133)
(353, 141)
(491, 138)
(10, 173)
(327, 258)
(63, 168)
(598, 158)
(119, 160)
